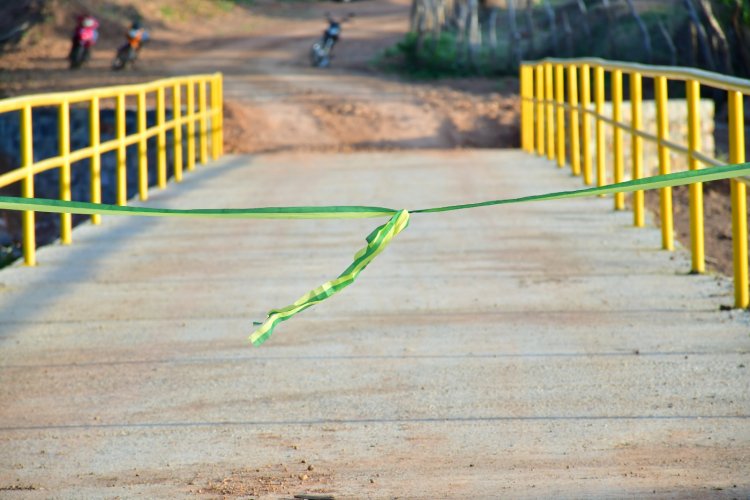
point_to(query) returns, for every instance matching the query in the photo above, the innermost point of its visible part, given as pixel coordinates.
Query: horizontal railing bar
(709, 78)
(82, 154)
(708, 160)
(41, 100)
(12, 177)
(48, 164)
(20, 173)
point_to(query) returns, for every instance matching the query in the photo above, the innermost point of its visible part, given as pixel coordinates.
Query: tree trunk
(669, 42)
(529, 15)
(492, 31)
(515, 49)
(475, 34)
(552, 26)
(742, 33)
(610, 38)
(462, 42)
(584, 17)
(568, 35)
(414, 15)
(702, 37)
(718, 34)
(693, 45)
(644, 31)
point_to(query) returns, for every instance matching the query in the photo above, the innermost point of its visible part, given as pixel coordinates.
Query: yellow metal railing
(541, 134)
(209, 107)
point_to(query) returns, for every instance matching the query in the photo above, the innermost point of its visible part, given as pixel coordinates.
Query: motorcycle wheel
(77, 56)
(121, 59)
(315, 54)
(117, 64)
(319, 57)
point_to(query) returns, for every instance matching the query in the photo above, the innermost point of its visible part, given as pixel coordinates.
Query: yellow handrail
(708, 78)
(541, 93)
(210, 101)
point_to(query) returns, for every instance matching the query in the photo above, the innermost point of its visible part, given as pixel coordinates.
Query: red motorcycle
(84, 38)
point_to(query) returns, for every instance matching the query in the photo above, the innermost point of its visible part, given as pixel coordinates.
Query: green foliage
(191, 9)
(227, 5)
(437, 58)
(167, 12)
(744, 6)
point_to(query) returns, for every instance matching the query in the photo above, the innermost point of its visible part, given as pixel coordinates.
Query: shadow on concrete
(130, 229)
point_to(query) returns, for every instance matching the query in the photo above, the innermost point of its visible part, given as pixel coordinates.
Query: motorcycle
(128, 52)
(84, 38)
(320, 52)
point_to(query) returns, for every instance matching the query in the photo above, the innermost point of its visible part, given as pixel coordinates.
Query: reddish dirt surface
(273, 479)
(351, 105)
(717, 216)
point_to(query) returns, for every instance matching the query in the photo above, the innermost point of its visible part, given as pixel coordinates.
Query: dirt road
(276, 101)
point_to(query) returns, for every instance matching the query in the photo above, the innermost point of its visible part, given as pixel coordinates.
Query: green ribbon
(377, 241)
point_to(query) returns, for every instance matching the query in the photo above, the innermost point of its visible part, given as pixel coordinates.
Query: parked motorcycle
(320, 52)
(128, 52)
(84, 38)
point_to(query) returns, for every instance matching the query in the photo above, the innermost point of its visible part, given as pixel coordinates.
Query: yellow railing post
(203, 121)
(527, 109)
(204, 110)
(636, 112)
(220, 90)
(739, 201)
(122, 183)
(177, 131)
(619, 160)
(221, 113)
(142, 147)
(601, 174)
(662, 131)
(696, 189)
(95, 165)
(27, 186)
(216, 117)
(540, 107)
(63, 134)
(190, 124)
(560, 108)
(161, 140)
(575, 153)
(549, 103)
(522, 79)
(588, 177)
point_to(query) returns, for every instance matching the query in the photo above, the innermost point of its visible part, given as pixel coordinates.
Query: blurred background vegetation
(453, 37)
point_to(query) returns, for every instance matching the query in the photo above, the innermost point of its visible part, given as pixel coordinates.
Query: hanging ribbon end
(259, 336)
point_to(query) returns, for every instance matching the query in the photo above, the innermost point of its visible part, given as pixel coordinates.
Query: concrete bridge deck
(534, 350)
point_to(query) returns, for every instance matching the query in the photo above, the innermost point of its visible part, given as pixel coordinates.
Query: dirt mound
(436, 119)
